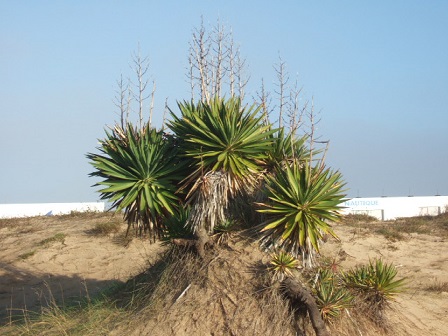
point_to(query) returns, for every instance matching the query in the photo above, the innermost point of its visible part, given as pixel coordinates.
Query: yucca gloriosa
(223, 231)
(331, 298)
(302, 200)
(376, 281)
(139, 171)
(224, 145)
(176, 226)
(282, 265)
(286, 147)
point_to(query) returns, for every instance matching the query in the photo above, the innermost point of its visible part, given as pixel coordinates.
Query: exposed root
(295, 290)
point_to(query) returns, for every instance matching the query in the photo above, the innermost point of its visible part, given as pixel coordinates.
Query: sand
(64, 258)
(421, 258)
(80, 263)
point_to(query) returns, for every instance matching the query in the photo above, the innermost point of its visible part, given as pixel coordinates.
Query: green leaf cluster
(218, 153)
(176, 226)
(302, 200)
(222, 135)
(286, 148)
(139, 171)
(331, 298)
(376, 281)
(282, 264)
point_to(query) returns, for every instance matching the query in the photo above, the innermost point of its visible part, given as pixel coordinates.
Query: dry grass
(183, 294)
(107, 228)
(401, 228)
(227, 293)
(437, 286)
(85, 317)
(352, 219)
(22, 225)
(220, 294)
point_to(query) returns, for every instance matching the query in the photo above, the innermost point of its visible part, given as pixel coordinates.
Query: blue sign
(356, 203)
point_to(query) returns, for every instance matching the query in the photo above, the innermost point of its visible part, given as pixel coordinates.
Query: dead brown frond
(210, 199)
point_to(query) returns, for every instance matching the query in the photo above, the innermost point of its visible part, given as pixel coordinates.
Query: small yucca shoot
(377, 281)
(176, 226)
(331, 299)
(223, 231)
(282, 264)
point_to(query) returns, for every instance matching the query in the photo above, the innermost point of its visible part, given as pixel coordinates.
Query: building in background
(386, 208)
(383, 208)
(47, 209)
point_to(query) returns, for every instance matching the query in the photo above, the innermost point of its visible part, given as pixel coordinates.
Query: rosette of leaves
(282, 265)
(139, 171)
(286, 147)
(177, 228)
(376, 283)
(331, 298)
(302, 201)
(224, 145)
(224, 230)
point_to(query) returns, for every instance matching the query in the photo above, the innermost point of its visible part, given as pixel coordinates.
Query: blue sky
(377, 71)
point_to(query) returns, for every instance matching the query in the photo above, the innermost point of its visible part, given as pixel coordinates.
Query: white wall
(385, 208)
(46, 209)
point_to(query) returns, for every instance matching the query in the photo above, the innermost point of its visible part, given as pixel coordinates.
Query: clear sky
(377, 71)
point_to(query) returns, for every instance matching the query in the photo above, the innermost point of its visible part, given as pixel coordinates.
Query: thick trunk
(184, 242)
(202, 239)
(296, 291)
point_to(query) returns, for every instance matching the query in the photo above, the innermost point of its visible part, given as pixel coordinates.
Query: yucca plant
(176, 226)
(286, 147)
(223, 231)
(282, 264)
(139, 171)
(375, 282)
(224, 145)
(302, 200)
(331, 298)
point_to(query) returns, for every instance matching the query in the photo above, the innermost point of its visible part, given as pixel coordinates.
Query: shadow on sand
(23, 292)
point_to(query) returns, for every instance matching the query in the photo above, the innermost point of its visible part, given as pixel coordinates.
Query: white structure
(47, 209)
(385, 208)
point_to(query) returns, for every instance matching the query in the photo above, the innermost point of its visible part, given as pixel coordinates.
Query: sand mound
(225, 294)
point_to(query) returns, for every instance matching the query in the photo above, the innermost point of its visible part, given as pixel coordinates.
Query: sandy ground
(81, 260)
(422, 259)
(74, 262)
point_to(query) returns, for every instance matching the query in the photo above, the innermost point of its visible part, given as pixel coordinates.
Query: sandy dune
(64, 256)
(77, 262)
